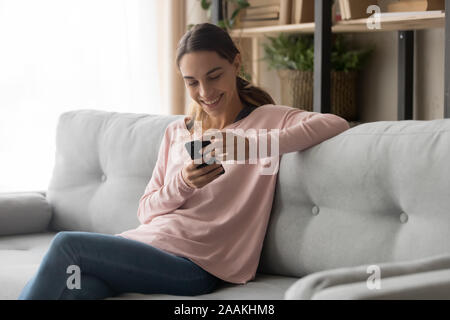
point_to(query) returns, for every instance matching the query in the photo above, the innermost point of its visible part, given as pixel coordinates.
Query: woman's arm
(160, 196)
(303, 129)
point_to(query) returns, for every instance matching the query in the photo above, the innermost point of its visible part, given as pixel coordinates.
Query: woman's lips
(211, 106)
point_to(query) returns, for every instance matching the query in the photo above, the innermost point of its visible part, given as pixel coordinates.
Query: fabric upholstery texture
(375, 194)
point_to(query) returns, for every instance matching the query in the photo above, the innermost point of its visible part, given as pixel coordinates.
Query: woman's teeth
(213, 101)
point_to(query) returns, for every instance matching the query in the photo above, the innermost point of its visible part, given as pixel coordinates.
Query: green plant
(296, 52)
(227, 23)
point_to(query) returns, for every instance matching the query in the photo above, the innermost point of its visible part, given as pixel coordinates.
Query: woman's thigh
(130, 266)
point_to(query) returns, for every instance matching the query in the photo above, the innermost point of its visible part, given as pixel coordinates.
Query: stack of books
(416, 5)
(263, 13)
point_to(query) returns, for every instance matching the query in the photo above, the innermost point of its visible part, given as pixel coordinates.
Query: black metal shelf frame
(322, 63)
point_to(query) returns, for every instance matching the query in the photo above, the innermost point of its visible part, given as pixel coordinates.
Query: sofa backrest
(378, 192)
(103, 162)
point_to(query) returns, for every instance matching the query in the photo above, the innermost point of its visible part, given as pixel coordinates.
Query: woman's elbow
(339, 123)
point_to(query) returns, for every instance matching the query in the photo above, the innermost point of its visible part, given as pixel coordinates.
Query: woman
(199, 226)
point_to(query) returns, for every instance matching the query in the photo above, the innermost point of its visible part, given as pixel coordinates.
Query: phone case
(194, 147)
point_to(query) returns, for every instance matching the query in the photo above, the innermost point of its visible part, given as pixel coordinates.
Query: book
(343, 9)
(283, 16)
(258, 23)
(273, 15)
(260, 3)
(285, 11)
(303, 11)
(255, 11)
(416, 5)
(355, 9)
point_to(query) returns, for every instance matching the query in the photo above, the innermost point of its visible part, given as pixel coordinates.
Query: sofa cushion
(378, 192)
(263, 287)
(103, 162)
(20, 256)
(24, 212)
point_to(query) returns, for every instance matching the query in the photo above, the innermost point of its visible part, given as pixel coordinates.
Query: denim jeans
(110, 265)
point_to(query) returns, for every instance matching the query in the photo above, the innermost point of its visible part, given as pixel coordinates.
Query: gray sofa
(363, 215)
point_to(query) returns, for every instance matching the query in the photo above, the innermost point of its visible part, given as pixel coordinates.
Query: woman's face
(210, 80)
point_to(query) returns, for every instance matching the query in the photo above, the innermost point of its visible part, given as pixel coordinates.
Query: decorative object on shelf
(302, 11)
(230, 9)
(416, 5)
(355, 9)
(293, 58)
(261, 13)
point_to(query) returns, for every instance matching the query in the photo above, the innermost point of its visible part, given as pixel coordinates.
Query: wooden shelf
(388, 23)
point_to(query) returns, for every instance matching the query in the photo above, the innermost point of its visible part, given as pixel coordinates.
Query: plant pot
(297, 89)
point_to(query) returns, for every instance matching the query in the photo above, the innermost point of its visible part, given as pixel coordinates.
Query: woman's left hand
(222, 145)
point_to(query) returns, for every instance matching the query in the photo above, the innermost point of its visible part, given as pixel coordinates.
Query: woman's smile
(213, 103)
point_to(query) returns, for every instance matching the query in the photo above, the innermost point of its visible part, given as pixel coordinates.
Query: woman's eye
(192, 84)
(217, 77)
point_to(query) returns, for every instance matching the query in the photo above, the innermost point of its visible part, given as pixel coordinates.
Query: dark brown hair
(209, 37)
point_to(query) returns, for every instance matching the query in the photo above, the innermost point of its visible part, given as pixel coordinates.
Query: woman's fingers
(210, 176)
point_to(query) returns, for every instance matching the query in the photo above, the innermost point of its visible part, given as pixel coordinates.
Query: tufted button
(103, 177)
(403, 217)
(315, 210)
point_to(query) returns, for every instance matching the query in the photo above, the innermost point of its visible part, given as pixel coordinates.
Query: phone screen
(194, 147)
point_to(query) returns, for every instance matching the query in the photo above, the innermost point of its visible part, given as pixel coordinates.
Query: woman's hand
(199, 177)
(225, 143)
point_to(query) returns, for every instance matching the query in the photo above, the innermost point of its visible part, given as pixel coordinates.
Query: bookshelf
(389, 23)
(404, 25)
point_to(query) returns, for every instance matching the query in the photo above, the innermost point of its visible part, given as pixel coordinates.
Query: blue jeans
(110, 265)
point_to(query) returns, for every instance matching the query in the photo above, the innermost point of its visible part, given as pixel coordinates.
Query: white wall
(59, 55)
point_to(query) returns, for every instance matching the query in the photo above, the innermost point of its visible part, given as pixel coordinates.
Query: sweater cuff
(183, 186)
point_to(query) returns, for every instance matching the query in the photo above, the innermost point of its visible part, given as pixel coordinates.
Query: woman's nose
(204, 91)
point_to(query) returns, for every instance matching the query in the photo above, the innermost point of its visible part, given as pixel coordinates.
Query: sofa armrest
(433, 285)
(427, 278)
(24, 212)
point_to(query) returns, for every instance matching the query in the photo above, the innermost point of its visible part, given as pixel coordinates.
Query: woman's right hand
(199, 177)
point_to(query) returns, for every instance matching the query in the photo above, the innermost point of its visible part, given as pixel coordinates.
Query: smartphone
(194, 148)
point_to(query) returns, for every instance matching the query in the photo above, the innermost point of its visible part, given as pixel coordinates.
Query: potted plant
(293, 58)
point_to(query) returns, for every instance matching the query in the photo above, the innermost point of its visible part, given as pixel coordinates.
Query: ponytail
(251, 95)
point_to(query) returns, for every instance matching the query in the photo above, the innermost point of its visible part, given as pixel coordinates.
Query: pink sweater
(221, 227)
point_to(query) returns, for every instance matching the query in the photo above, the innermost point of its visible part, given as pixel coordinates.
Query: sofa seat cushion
(263, 287)
(20, 256)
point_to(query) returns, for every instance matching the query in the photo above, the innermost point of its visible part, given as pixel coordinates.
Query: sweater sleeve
(301, 130)
(162, 196)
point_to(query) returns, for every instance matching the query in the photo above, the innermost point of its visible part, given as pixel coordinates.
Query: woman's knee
(63, 238)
